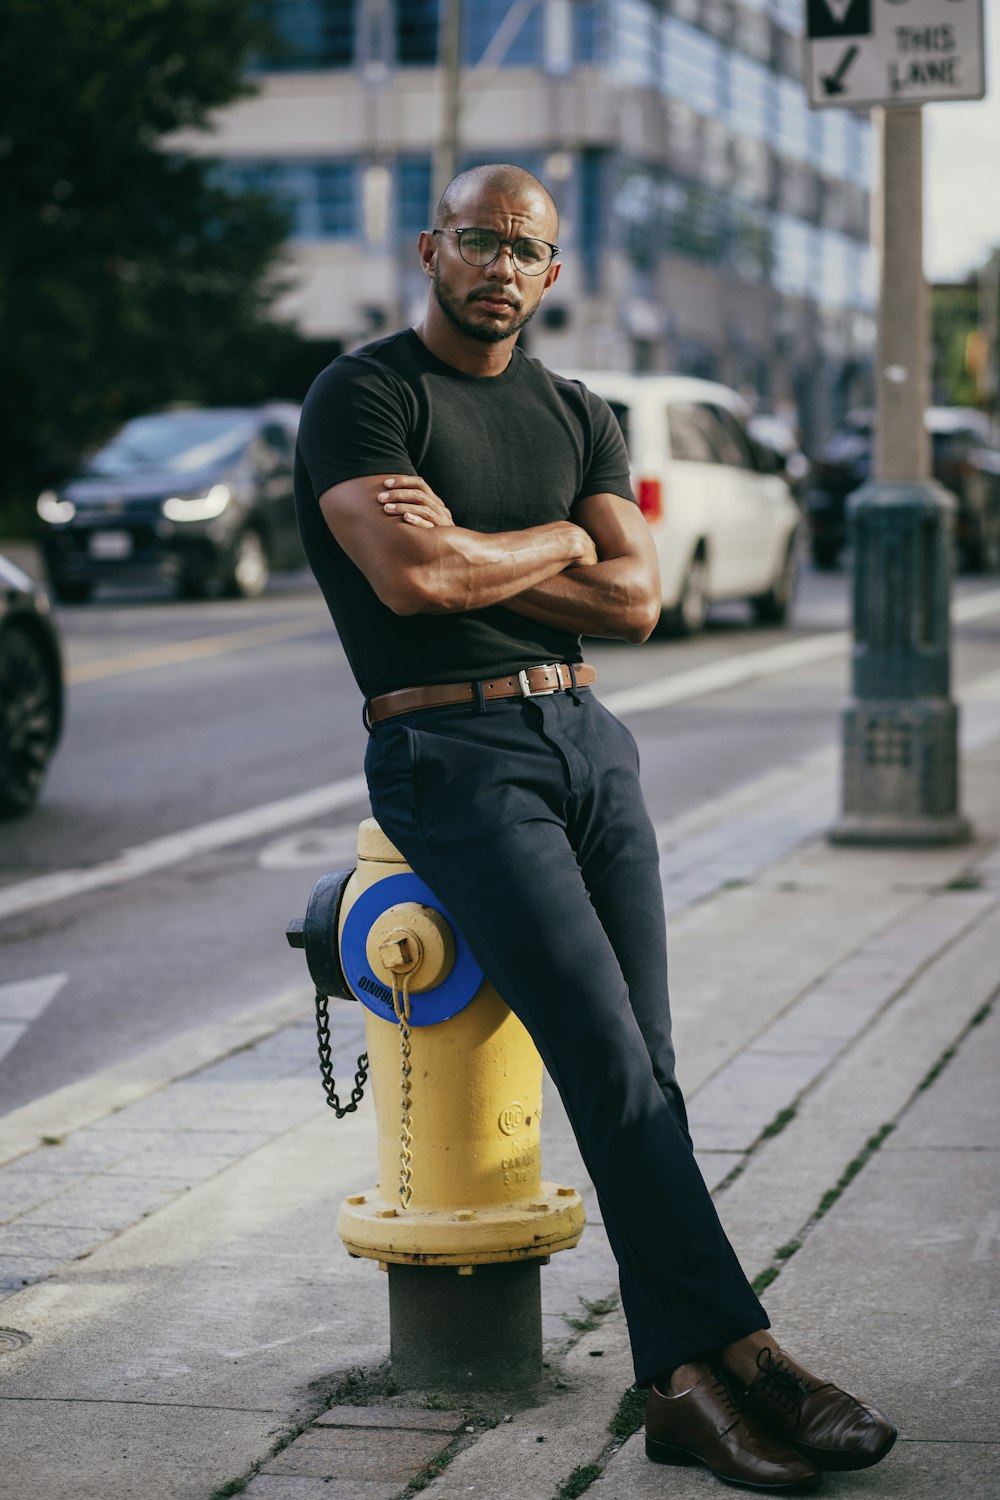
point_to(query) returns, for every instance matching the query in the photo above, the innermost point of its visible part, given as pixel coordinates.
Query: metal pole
(450, 65)
(900, 728)
(902, 446)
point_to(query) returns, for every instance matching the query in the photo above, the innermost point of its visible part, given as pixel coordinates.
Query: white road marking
(161, 853)
(736, 670)
(731, 672)
(312, 848)
(23, 1002)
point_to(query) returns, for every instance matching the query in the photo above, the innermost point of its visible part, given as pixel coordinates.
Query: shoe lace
(726, 1388)
(779, 1383)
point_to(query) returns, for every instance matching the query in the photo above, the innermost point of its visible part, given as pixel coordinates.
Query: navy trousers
(526, 819)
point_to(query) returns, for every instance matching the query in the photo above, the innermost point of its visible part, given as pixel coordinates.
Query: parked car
(190, 497)
(31, 689)
(963, 458)
(780, 449)
(724, 523)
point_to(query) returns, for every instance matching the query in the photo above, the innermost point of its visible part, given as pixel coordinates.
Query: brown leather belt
(534, 682)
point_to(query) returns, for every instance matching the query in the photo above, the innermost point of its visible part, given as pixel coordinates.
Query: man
(468, 515)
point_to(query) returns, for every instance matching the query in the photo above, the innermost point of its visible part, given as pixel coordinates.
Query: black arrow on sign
(833, 83)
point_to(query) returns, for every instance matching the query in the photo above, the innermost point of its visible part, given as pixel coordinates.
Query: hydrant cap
(394, 898)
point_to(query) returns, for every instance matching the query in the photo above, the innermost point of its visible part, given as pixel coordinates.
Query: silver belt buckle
(547, 666)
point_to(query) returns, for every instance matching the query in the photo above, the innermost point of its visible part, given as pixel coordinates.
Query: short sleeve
(608, 472)
(355, 421)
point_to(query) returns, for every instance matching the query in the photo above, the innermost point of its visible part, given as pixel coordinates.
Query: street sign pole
(902, 445)
(900, 728)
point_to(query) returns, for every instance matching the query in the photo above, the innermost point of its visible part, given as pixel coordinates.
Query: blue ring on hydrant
(430, 1006)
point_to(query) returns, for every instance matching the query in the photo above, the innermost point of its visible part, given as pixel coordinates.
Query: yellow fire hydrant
(457, 1085)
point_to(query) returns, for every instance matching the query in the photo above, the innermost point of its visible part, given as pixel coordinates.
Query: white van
(724, 527)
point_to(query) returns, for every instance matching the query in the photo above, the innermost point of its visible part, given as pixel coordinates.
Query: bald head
(500, 178)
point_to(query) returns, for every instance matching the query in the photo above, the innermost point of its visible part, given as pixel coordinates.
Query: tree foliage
(954, 319)
(130, 275)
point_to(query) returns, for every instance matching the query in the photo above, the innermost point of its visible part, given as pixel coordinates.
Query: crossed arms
(596, 576)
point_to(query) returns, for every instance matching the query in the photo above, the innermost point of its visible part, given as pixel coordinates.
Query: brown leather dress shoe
(705, 1426)
(826, 1424)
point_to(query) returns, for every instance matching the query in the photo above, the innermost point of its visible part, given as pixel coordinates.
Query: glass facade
(320, 197)
(676, 204)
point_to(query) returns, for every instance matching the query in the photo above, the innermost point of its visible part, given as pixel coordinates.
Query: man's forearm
(450, 570)
(613, 599)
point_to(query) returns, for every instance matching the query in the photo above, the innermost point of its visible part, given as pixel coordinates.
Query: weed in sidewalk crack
(937, 1069)
(628, 1417)
(782, 1118)
(763, 1281)
(785, 1252)
(581, 1479)
(852, 1169)
(593, 1312)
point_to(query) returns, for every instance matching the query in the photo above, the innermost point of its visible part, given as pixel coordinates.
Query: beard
(455, 311)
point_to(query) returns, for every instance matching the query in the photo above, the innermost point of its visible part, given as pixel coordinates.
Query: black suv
(964, 459)
(189, 497)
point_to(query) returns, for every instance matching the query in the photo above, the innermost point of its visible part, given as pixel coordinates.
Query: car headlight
(198, 507)
(57, 512)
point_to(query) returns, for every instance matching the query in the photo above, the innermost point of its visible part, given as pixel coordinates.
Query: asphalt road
(209, 774)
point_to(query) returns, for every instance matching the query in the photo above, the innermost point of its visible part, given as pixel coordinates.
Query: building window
(751, 97)
(635, 42)
(481, 19)
(693, 67)
(749, 242)
(830, 141)
(590, 236)
(413, 194)
(637, 210)
(319, 197)
(861, 152)
(695, 221)
(416, 33)
(308, 34)
(789, 13)
(791, 121)
(587, 42)
(795, 270)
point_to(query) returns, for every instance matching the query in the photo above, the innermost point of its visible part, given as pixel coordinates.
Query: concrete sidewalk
(183, 1319)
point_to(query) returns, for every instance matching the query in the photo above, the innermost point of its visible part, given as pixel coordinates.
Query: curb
(78, 1104)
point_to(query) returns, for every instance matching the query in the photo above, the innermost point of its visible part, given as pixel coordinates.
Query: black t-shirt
(504, 453)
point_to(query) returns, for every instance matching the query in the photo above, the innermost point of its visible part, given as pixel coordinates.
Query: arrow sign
(833, 83)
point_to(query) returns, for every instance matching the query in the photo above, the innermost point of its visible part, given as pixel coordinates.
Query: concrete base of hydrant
(466, 1332)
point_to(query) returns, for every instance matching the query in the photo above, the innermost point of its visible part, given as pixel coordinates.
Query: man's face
(493, 303)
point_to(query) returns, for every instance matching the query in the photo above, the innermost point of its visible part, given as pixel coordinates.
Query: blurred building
(710, 222)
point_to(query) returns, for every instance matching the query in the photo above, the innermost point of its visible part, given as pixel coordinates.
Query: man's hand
(406, 497)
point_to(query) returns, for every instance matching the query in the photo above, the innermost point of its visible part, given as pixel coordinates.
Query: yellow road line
(183, 651)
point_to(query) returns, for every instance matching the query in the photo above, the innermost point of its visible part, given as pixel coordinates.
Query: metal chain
(326, 1063)
(401, 1005)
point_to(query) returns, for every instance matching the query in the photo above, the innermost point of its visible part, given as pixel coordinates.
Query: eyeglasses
(480, 247)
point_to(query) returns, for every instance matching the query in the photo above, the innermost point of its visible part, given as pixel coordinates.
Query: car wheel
(249, 566)
(72, 590)
(774, 607)
(691, 610)
(29, 716)
(824, 555)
